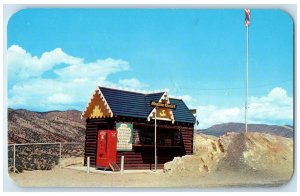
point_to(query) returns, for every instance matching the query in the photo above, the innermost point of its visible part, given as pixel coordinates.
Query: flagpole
(155, 146)
(246, 98)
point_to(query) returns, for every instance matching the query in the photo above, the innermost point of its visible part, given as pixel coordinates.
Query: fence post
(122, 165)
(14, 158)
(88, 165)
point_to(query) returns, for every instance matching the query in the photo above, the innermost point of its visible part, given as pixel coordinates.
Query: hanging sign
(124, 136)
(163, 105)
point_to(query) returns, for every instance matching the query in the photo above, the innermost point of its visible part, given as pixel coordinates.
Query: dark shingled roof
(134, 104)
(182, 112)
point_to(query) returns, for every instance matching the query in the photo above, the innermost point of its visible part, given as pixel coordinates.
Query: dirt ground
(64, 177)
(232, 160)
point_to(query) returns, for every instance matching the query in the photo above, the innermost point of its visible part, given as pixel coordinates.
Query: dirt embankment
(272, 154)
(247, 154)
(208, 153)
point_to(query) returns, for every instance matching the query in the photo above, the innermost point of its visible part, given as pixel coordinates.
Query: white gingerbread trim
(102, 98)
(151, 115)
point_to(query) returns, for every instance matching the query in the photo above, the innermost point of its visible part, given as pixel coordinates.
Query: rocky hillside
(55, 126)
(46, 127)
(246, 154)
(221, 129)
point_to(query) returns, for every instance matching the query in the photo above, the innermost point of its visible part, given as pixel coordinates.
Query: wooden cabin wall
(187, 133)
(140, 157)
(187, 137)
(143, 157)
(92, 127)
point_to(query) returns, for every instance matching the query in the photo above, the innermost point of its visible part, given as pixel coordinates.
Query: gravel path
(234, 160)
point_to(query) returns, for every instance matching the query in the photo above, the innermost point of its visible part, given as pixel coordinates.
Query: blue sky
(56, 58)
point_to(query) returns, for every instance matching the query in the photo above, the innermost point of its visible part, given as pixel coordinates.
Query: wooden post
(88, 165)
(122, 165)
(14, 158)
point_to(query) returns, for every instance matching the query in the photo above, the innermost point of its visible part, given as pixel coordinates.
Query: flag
(247, 17)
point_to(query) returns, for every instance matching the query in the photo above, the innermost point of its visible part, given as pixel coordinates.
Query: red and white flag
(247, 17)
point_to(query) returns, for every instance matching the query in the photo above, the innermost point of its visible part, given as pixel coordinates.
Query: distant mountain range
(54, 126)
(67, 126)
(220, 129)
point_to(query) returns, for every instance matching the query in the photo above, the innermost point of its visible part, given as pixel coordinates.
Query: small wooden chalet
(113, 109)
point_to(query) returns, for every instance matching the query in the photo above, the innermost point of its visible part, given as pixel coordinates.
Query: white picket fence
(32, 144)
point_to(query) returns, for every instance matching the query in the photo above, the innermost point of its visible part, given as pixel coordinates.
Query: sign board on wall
(124, 136)
(162, 105)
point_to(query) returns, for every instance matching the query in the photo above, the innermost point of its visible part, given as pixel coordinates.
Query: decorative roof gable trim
(89, 103)
(105, 103)
(151, 115)
(103, 99)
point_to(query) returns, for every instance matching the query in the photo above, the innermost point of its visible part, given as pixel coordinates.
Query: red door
(106, 148)
(102, 149)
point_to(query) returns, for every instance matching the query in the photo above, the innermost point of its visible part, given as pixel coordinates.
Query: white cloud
(59, 98)
(22, 65)
(186, 98)
(210, 115)
(274, 108)
(131, 83)
(72, 87)
(96, 70)
(277, 105)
